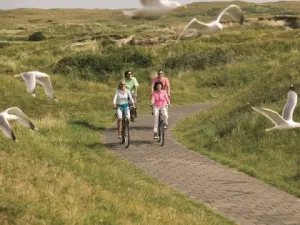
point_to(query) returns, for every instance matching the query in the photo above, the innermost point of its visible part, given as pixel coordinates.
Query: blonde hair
(120, 83)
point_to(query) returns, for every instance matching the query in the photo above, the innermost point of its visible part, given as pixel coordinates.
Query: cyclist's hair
(126, 72)
(156, 84)
(158, 71)
(120, 82)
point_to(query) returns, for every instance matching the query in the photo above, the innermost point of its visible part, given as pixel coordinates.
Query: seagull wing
(194, 24)
(6, 129)
(29, 78)
(271, 115)
(290, 105)
(46, 83)
(234, 12)
(23, 118)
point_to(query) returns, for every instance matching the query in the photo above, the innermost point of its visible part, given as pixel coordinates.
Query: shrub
(293, 23)
(4, 45)
(107, 42)
(36, 36)
(199, 60)
(95, 66)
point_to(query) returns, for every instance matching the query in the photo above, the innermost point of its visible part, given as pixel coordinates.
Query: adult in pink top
(159, 100)
(159, 97)
(164, 80)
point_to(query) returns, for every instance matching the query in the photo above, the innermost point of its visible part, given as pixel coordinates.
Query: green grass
(63, 174)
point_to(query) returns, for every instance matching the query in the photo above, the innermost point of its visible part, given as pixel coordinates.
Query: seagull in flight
(195, 26)
(285, 121)
(32, 77)
(153, 8)
(14, 113)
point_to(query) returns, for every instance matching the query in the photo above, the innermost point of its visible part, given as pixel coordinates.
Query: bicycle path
(233, 194)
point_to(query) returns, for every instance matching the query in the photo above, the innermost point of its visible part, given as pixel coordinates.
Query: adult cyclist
(132, 85)
(164, 80)
(121, 103)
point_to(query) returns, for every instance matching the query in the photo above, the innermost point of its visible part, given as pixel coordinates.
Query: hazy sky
(111, 4)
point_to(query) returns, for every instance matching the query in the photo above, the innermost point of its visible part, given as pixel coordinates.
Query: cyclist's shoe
(166, 126)
(132, 119)
(155, 135)
(119, 137)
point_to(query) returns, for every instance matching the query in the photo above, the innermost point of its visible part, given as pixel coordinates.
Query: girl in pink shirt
(159, 100)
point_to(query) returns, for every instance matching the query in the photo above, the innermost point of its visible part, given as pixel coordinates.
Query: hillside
(62, 173)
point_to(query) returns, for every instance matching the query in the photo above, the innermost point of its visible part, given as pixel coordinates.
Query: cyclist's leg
(165, 116)
(155, 112)
(119, 115)
(127, 113)
(134, 110)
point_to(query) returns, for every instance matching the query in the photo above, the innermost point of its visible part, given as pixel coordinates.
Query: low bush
(37, 36)
(96, 66)
(199, 60)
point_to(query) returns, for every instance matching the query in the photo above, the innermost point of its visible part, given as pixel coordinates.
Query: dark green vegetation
(62, 173)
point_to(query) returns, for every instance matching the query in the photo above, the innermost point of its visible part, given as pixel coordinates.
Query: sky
(88, 4)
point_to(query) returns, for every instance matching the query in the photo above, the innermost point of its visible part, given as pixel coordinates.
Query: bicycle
(125, 129)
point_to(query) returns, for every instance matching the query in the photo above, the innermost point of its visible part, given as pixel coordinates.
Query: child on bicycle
(120, 102)
(159, 100)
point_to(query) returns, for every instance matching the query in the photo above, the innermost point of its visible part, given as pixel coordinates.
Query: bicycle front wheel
(161, 133)
(126, 134)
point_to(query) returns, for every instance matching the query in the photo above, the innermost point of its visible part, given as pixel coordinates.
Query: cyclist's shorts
(123, 107)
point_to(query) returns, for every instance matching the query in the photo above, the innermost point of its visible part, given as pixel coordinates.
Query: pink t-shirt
(164, 80)
(159, 98)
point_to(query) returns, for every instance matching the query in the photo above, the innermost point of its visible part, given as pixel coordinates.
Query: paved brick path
(233, 194)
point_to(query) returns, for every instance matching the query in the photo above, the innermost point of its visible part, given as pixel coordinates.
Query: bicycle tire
(123, 127)
(126, 134)
(158, 125)
(162, 134)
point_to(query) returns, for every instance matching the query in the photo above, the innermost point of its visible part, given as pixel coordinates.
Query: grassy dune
(62, 173)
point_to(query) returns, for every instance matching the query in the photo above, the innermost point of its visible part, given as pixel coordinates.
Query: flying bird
(153, 8)
(195, 27)
(13, 113)
(285, 121)
(32, 77)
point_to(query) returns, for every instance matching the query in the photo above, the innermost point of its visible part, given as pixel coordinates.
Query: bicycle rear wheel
(126, 134)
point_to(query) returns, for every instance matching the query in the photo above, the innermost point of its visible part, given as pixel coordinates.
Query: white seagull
(32, 77)
(285, 121)
(13, 113)
(195, 26)
(153, 8)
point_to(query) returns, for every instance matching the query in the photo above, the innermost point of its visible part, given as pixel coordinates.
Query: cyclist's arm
(136, 89)
(152, 86)
(131, 99)
(152, 99)
(115, 100)
(168, 87)
(167, 99)
(136, 84)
